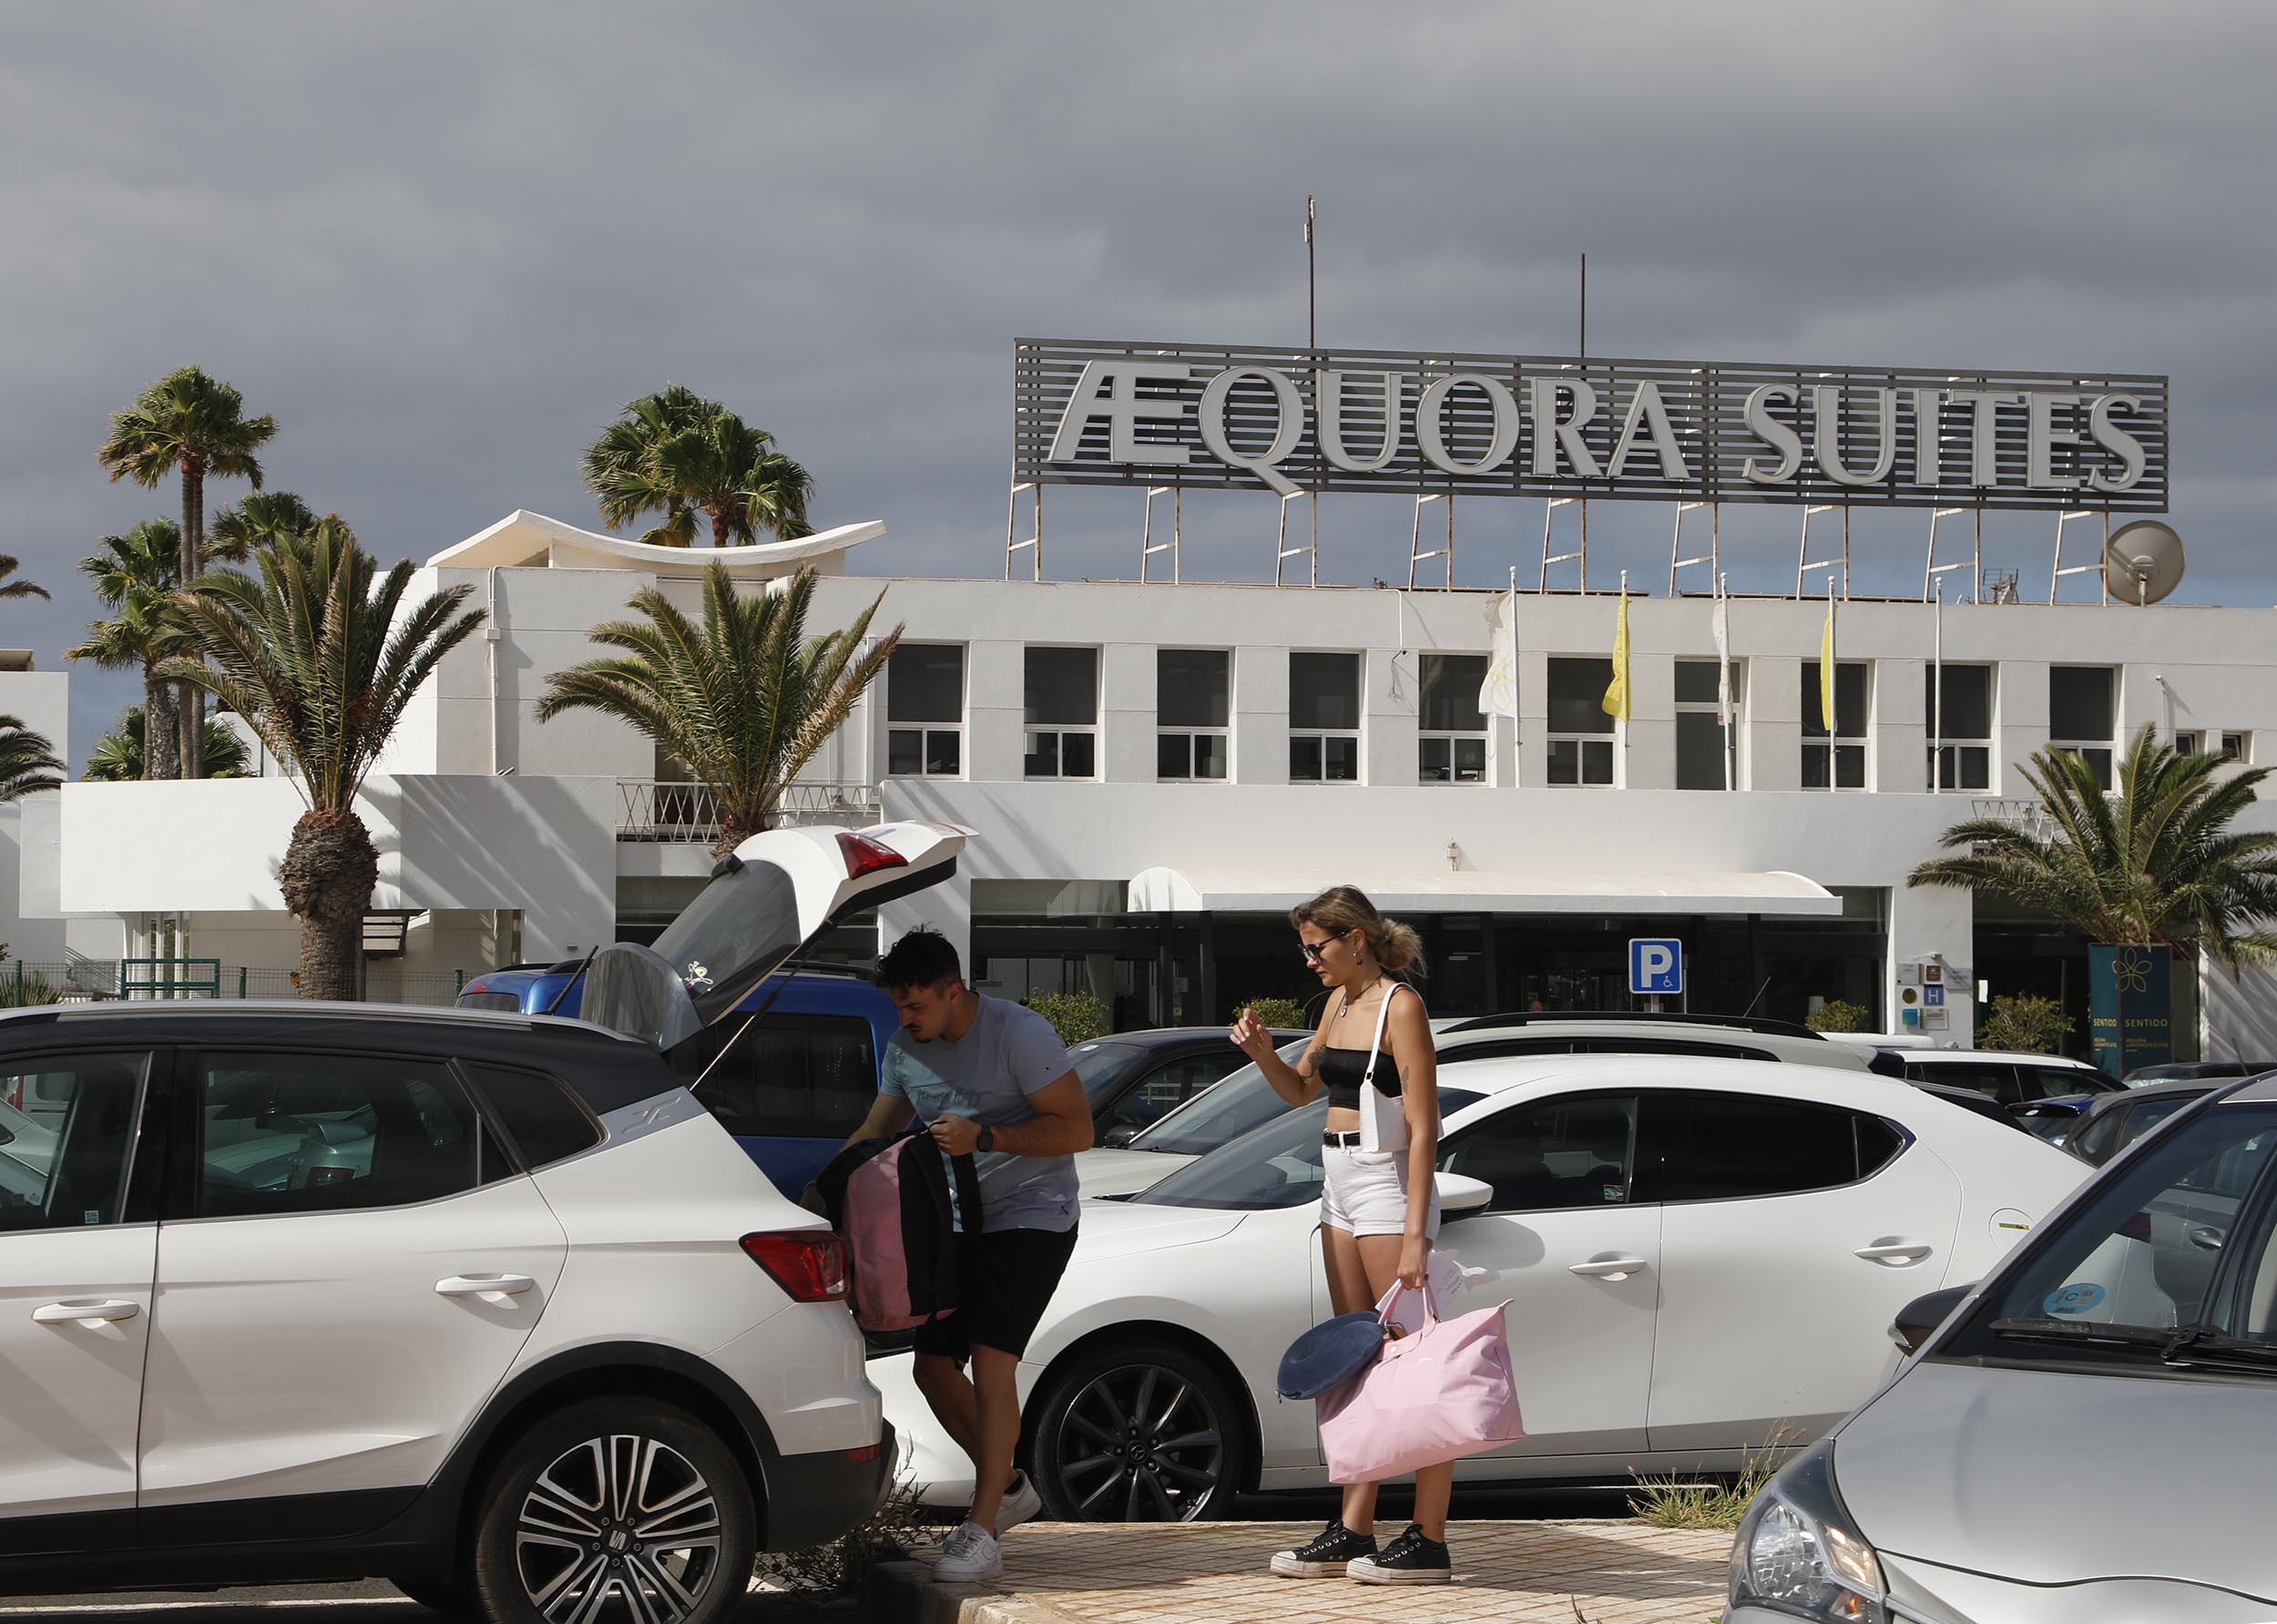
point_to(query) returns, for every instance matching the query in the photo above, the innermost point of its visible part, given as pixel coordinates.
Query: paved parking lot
(1603, 1572)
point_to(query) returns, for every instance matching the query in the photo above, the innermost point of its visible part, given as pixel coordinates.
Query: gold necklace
(1344, 1008)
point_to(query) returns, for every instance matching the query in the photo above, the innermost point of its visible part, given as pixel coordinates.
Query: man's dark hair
(922, 958)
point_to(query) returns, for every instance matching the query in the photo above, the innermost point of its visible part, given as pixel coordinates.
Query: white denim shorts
(1364, 1192)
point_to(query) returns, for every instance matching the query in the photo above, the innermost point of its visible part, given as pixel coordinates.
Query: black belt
(1340, 1141)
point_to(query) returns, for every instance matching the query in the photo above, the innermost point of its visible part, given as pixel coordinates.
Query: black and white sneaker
(1327, 1555)
(1410, 1559)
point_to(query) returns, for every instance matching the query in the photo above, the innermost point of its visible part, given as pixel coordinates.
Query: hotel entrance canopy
(1773, 892)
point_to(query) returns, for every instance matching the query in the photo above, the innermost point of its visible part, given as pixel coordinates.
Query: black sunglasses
(1312, 950)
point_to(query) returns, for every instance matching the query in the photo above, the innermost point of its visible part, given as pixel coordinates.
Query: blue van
(789, 1087)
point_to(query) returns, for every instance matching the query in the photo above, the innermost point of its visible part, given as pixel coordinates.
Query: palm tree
(305, 653)
(191, 424)
(2155, 864)
(744, 700)
(680, 454)
(27, 760)
(9, 589)
(134, 576)
(270, 519)
(117, 757)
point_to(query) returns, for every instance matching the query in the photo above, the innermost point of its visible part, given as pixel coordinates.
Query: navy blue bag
(1329, 1355)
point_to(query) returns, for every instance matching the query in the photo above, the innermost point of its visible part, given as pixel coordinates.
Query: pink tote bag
(1435, 1395)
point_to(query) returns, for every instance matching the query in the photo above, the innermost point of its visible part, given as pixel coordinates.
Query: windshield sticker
(2077, 1298)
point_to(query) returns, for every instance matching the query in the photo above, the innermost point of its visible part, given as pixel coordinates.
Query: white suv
(486, 1305)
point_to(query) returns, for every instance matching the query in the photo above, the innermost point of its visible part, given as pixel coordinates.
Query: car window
(1733, 1146)
(1240, 1103)
(1276, 1165)
(1996, 1078)
(1574, 1152)
(2148, 1249)
(1167, 1087)
(546, 1121)
(510, 1001)
(2142, 1117)
(67, 1139)
(328, 1131)
(1101, 1067)
(784, 1076)
(2093, 1142)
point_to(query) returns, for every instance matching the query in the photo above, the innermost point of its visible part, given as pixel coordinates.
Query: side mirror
(1460, 1193)
(1918, 1319)
(1121, 1134)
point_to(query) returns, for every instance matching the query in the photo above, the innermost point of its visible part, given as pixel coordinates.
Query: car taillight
(2136, 1228)
(809, 1264)
(866, 856)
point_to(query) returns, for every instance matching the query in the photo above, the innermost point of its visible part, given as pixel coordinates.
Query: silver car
(2083, 1437)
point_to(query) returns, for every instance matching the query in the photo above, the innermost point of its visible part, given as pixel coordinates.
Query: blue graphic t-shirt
(1005, 1055)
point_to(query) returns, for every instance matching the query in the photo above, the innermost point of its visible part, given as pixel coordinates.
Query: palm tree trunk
(193, 719)
(327, 877)
(161, 756)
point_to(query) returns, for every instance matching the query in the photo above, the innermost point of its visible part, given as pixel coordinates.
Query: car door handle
(1894, 1251)
(1608, 1268)
(2205, 1237)
(64, 1313)
(481, 1285)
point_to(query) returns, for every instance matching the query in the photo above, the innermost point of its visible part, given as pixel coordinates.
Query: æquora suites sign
(1097, 413)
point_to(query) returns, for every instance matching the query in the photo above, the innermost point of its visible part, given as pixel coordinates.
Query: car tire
(1147, 1432)
(601, 1496)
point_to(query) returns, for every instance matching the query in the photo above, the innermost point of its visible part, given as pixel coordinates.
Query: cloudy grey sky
(442, 243)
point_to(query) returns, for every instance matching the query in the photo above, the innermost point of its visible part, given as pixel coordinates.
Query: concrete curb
(904, 1593)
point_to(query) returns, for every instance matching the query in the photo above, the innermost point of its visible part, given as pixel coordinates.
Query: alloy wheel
(1140, 1444)
(622, 1527)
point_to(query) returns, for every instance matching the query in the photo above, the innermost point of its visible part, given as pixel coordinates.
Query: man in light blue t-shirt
(992, 1080)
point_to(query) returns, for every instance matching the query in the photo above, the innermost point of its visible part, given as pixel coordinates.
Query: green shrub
(1273, 1012)
(1838, 1014)
(1078, 1017)
(21, 988)
(2024, 1022)
(1713, 1503)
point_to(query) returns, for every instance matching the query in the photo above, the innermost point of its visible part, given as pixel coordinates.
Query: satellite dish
(2142, 562)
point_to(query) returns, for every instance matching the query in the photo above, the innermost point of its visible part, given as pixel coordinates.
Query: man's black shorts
(1009, 1278)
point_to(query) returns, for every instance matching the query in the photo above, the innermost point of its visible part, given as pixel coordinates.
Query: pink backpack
(891, 1202)
(1434, 1394)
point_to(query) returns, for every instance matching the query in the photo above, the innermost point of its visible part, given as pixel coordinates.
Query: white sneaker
(968, 1557)
(1020, 1503)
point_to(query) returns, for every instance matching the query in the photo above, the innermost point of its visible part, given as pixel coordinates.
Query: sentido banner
(1188, 415)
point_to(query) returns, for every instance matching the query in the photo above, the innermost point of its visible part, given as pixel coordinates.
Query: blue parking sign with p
(1655, 965)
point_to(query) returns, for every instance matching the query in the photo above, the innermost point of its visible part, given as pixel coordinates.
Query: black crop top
(1344, 1071)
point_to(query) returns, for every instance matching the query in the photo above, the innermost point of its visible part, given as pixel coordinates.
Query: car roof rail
(1736, 1023)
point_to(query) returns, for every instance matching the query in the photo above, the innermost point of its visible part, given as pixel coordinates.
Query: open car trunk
(776, 891)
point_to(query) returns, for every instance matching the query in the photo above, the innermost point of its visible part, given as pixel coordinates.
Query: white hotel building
(1156, 772)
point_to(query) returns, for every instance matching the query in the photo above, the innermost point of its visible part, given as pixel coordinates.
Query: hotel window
(1961, 719)
(1700, 745)
(1062, 713)
(1580, 733)
(925, 710)
(1324, 717)
(2189, 742)
(1193, 699)
(2238, 747)
(1452, 748)
(2083, 714)
(1836, 760)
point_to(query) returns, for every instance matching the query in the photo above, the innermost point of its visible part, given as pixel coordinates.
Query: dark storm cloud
(443, 243)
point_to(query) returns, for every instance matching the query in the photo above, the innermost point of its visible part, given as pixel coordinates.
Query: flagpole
(1312, 344)
(1936, 688)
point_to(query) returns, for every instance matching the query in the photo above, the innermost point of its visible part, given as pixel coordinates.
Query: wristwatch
(987, 1139)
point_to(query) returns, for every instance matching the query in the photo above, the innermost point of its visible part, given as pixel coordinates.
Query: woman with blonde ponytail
(1379, 1205)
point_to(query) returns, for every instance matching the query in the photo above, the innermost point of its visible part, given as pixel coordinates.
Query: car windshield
(1101, 1064)
(2168, 1263)
(1238, 1102)
(1276, 1165)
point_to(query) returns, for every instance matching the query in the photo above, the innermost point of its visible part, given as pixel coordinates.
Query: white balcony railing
(685, 813)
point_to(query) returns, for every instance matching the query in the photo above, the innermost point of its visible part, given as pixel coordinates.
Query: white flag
(1723, 659)
(1498, 694)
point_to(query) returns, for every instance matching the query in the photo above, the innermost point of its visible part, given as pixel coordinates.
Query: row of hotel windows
(924, 709)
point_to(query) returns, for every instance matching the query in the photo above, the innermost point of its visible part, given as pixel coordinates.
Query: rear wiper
(2185, 1345)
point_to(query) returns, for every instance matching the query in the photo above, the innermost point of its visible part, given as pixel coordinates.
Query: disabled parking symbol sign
(1656, 966)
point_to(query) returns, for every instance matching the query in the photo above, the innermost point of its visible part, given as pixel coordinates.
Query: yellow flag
(1616, 703)
(1826, 670)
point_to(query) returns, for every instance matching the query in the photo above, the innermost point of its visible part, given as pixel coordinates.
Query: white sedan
(1702, 1256)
